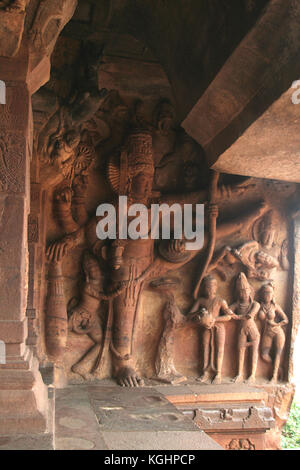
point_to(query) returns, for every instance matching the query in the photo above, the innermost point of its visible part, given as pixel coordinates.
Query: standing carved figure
(273, 333)
(173, 320)
(215, 312)
(246, 310)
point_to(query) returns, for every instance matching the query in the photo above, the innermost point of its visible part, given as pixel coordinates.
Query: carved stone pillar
(296, 293)
(23, 395)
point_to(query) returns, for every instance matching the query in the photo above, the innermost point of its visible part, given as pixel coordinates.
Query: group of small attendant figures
(211, 312)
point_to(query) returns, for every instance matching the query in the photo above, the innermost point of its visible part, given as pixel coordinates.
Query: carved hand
(57, 250)
(235, 317)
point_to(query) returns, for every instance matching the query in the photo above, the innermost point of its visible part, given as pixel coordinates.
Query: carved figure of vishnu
(132, 262)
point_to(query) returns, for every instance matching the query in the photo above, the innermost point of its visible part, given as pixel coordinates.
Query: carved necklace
(245, 307)
(266, 308)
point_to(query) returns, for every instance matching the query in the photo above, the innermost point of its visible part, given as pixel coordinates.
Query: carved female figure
(273, 333)
(246, 310)
(173, 320)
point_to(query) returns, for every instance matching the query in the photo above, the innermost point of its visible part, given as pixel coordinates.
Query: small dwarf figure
(273, 333)
(211, 311)
(246, 310)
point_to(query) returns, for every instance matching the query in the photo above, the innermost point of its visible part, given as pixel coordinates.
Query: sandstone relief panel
(139, 309)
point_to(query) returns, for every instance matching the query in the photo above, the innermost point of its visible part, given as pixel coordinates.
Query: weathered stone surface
(11, 32)
(147, 440)
(13, 280)
(13, 331)
(258, 73)
(274, 137)
(27, 442)
(77, 428)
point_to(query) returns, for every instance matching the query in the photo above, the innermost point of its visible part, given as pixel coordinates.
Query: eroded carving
(240, 444)
(12, 161)
(50, 19)
(173, 320)
(274, 320)
(246, 310)
(211, 312)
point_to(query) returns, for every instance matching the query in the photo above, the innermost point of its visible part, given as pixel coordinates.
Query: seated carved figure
(273, 333)
(211, 312)
(246, 310)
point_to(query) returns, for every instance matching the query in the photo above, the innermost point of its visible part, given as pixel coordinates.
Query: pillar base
(23, 400)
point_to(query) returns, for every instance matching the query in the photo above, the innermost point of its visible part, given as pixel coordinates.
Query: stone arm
(284, 319)
(223, 192)
(62, 210)
(252, 314)
(254, 310)
(227, 313)
(57, 250)
(195, 308)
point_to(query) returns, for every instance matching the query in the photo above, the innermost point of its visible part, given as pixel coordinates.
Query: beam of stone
(259, 72)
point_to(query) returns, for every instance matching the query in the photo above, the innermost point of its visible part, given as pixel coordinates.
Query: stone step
(34, 422)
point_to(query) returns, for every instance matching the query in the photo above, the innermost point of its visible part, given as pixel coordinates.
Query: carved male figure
(131, 261)
(270, 313)
(246, 310)
(214, 330)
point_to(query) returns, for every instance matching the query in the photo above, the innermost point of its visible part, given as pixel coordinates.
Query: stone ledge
(194, 394)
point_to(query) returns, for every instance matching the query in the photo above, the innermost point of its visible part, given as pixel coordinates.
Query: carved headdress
(242, 283)
(135, 159)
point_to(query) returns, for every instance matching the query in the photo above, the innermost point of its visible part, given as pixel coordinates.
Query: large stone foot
(128, 377)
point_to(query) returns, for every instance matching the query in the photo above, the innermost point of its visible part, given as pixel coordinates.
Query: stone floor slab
(27, 442)
(175, 440)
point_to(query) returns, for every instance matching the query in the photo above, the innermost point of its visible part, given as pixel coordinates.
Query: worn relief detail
(12, 148)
